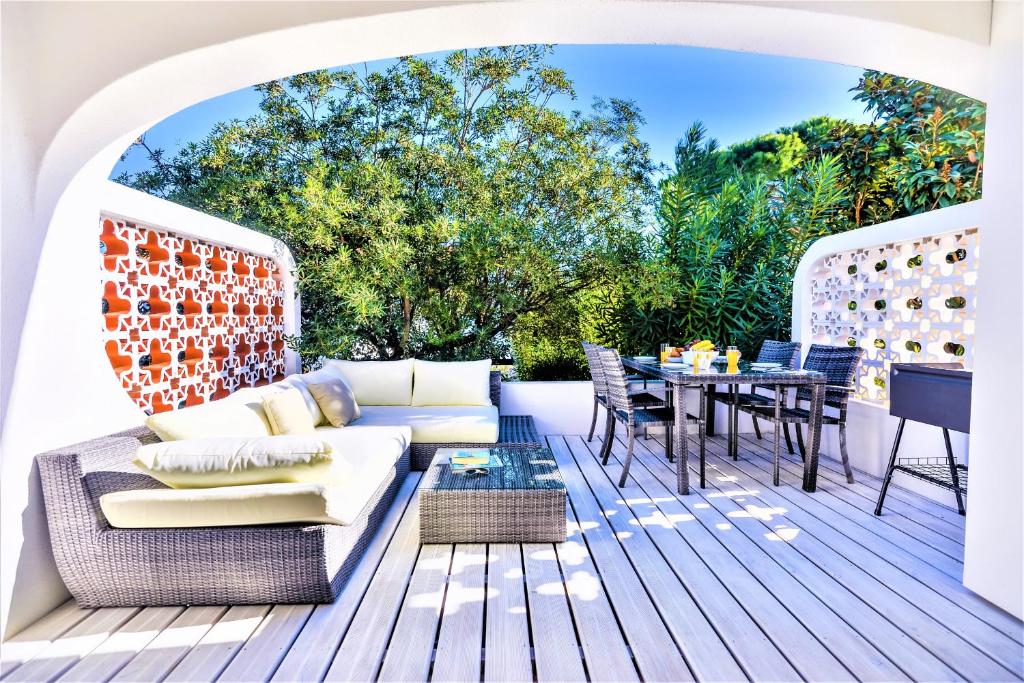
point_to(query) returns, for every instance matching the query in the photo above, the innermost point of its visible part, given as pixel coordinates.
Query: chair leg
(842, 450)
(593, 421)
(775, 455)
(789, 442)
(631, 432)
(609, 437)
(800, 441)
(757, 428)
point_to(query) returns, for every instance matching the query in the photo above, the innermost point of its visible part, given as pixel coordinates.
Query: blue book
(461, 459)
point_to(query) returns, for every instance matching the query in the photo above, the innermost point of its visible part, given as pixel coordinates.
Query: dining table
(678, 377)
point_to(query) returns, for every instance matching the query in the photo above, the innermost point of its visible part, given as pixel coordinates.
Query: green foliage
(430, 207)
(446, 209)
(726, 257)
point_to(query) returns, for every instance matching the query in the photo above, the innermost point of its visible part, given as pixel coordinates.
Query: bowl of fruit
(702, 346)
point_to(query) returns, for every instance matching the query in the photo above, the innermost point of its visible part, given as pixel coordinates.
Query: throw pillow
(288, 413)
(226, 461)
(220, 418)
(337, 401)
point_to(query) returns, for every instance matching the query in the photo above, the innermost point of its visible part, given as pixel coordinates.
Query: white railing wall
(835, 291)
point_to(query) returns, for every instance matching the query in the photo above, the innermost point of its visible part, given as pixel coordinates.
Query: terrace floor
(741, 580)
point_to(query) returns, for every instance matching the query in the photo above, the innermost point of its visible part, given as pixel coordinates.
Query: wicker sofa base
(513, 430)
(107, 567)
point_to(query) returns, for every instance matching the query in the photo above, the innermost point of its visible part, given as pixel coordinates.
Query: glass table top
(521, 469)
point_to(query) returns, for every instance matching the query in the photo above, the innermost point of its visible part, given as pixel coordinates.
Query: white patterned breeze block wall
(903, 302)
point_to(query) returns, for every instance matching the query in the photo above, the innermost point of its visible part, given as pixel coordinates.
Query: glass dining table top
(718, 373)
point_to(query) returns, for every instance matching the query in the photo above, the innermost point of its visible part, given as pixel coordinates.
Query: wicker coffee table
(521, 502)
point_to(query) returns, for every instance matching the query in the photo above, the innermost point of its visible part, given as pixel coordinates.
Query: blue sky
(736, 94)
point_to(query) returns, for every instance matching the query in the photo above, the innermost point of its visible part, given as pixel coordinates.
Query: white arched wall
(77, 91)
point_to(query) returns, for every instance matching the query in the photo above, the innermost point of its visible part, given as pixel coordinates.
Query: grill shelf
(933, 470)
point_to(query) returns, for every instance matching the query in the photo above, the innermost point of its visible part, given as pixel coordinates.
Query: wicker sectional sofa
(105, 566)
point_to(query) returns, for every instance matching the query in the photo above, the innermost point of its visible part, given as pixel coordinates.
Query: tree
(432, 206)
(728, 249)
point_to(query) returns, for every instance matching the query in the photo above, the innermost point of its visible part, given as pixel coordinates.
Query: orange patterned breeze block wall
(185, 321)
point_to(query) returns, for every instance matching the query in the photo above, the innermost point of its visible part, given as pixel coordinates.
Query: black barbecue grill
(938, 394)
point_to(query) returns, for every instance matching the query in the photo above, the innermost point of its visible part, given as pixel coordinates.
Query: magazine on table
(461, 459)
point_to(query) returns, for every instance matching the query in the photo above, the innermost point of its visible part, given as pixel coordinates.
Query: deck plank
(832, 469)
(605, 651)
(656, 653)
(32, 640)
(556, 651)
(859, 653)
(861, 527)
(910, 520)
(362, 650)
(163, 653)
(907, 603)
(788, 611)
(709, 655)
(460, 640)
(68, 648)
(412, 641)
(776, 540)
(115, 652)
(310, 655)
(506, 628)
(864, 516)
(213, 653)
(267, 646)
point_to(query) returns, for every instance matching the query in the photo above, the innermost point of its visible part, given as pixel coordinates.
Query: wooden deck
(741, 580)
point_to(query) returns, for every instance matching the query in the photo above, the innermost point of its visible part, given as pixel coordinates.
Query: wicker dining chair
(788, 355)
(839, 364)
(622, 408)
(640, 397)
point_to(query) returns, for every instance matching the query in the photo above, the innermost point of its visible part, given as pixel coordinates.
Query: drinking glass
(664, 352)
(732, 357)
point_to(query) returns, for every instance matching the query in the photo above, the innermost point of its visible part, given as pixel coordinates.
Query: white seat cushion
(437, 424)
(369, 452)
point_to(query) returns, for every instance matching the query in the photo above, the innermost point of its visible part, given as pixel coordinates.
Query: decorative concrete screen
(185, 321)
(909, 302)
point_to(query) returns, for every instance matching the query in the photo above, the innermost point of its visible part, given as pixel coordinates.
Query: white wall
(73, 392)
(994, 555)
(871, 430)
(76, 91)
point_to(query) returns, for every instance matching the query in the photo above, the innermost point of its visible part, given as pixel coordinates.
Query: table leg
(710, 409)
(702, 434)
(679, 439)
(811, 464)
(734, 422)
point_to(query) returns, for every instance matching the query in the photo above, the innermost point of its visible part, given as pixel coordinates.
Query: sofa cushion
(452, 384)
(297, 382)
(239, 461)
(369, 453)
(336, 399)
(287, 412)
(437, 424)
(220, 418)
(377, 383)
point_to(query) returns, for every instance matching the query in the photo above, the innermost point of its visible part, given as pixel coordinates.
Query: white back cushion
(452, 384)
(377, 383)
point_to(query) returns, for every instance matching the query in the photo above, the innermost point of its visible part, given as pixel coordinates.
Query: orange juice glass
(664, 352)
(732, 357)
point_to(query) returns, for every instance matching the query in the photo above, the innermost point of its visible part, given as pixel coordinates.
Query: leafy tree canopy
(430, 206)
